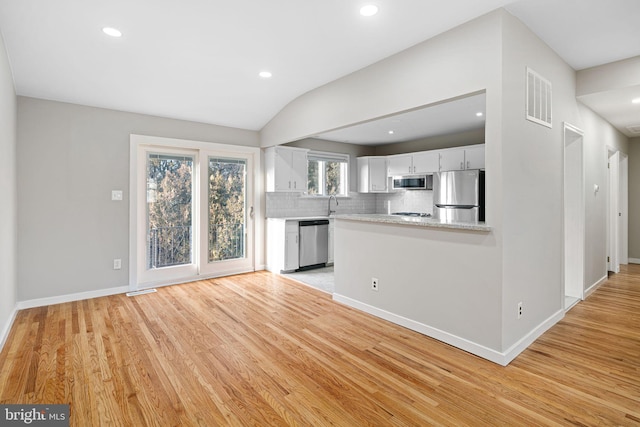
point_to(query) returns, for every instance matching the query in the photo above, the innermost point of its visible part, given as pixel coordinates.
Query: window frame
(324, 156)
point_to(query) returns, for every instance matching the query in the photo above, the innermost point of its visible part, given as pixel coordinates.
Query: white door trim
(574, 214)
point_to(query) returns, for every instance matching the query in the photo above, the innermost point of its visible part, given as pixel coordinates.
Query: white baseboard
(634, 260)
(4, 334)
(528, 339)
(41, 302)
(501, 358)
(591, 289)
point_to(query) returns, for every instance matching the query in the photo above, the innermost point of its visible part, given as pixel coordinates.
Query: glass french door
(167, 223)
(194, 215)
(227, 214)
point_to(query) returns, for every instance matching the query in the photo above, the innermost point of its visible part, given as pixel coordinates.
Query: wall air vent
(634, 129)
(538, 108)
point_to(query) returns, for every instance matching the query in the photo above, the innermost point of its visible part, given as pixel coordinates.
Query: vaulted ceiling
(199, 59)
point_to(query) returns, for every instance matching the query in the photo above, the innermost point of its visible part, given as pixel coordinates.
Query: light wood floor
(259, 349)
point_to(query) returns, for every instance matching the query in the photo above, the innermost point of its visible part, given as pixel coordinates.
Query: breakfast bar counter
(415, 221)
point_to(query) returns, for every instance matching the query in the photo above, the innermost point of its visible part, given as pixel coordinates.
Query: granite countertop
(415, 221)
(302, 218)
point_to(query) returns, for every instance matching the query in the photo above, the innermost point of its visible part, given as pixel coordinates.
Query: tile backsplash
(405, 201)
(286, 205)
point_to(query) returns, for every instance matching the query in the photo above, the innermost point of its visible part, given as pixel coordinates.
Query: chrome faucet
(329, 207)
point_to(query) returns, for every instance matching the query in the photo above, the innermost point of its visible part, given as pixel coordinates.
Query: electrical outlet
(520, 309)
(117, 264)
(374, 284)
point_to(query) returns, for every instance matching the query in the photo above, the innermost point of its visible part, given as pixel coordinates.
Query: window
(328, 174)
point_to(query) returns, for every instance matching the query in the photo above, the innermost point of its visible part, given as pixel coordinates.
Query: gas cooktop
(421, 214)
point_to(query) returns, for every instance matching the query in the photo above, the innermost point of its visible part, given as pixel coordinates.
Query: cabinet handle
(461, 165)
(468, 164)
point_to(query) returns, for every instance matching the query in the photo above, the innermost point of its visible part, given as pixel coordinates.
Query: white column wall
(8, 196)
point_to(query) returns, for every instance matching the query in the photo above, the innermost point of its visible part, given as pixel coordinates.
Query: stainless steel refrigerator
(458, 196)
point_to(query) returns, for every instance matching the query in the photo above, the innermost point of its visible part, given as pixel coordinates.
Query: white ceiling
(199, 59)
(452, 116)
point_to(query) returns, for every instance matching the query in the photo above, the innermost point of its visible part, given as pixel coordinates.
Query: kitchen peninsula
(434, 277)
(416, 221)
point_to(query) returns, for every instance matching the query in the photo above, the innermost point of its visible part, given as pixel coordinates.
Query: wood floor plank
(261, 349)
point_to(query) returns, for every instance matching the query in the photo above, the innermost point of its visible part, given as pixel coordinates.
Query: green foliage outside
(326, 172)
(169, 209)
(226, 209)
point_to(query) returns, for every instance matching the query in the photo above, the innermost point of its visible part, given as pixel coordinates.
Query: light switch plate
(116, 195)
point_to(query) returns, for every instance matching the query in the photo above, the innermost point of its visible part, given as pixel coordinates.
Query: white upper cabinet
(474, 157)
(286, 169)
(452, 159)
(471, 157)
(299, 170)
(426, 162)
(400, 165)
(372, 174)
(421, 162)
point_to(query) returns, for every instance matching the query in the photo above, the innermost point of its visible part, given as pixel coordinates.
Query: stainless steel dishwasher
(314, 243)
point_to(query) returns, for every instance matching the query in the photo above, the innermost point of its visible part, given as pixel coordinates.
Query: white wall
(634, 198)
(70, 157)
(524, 169)
(464, 60)
(8, 195)
(532, 163)
(598, 136)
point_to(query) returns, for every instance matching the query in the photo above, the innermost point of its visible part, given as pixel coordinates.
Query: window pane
(169, 184)
(314, 183)
(333, 178)
(227, 209)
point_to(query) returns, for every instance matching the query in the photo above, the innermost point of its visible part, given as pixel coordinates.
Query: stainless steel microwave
(412, 182)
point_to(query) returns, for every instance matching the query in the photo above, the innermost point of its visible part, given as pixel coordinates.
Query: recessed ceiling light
(636, 101)
(113, 32)
(479, 114)
(265, 74)
(391, 132)
(369, 10)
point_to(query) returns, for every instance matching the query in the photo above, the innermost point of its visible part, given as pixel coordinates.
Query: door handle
(251, 212)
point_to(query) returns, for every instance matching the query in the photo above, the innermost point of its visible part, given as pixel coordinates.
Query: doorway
(617, 210)
(574, 216)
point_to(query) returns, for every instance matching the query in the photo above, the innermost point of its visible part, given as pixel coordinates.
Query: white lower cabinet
(331, 240)
(282, 245)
